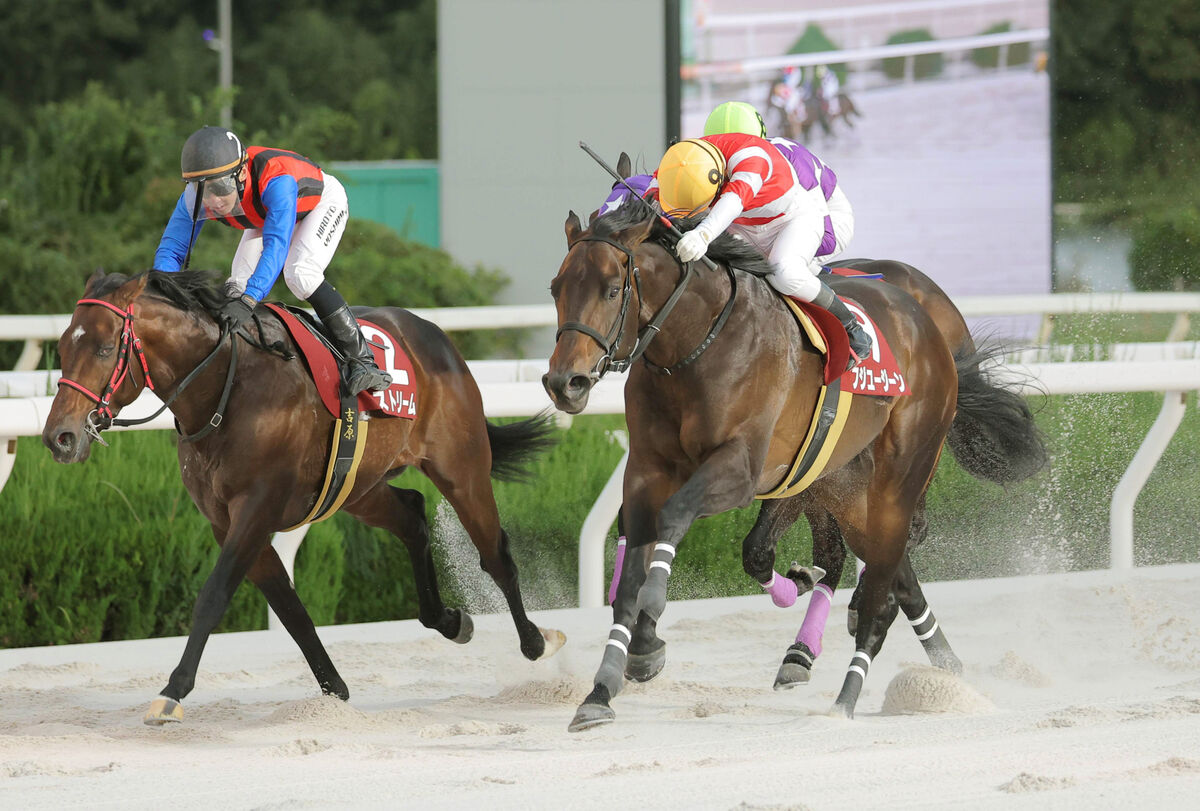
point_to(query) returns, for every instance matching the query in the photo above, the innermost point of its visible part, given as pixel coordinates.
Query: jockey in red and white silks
(760, 200)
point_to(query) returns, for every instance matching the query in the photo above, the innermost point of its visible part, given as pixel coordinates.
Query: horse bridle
(610, 342)
(102, 416)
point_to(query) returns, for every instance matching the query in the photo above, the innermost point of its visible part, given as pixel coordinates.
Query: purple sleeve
(809, 169)
(639, 183)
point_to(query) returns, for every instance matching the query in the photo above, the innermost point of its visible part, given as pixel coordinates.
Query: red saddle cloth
(877, 375)
(398, 400)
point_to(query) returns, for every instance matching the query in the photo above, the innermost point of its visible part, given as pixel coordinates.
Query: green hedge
(1018, 53)
(813, 40)
(113, 548)
(924, 66)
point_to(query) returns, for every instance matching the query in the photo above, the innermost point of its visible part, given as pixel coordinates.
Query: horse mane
(726, 248)
(189, 290)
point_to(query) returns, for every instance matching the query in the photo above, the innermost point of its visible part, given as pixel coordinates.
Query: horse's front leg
(243, 543)
(272, 580)
(721, 483)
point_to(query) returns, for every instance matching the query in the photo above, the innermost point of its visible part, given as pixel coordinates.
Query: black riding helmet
(213, 155)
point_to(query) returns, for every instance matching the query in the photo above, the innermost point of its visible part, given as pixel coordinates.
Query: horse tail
(993, 436)
(516, 444)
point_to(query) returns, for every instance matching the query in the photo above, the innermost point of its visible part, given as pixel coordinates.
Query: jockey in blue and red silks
(292, 216)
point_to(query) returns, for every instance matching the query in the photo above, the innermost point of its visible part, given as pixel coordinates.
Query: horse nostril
(65, 440)
(578, 384)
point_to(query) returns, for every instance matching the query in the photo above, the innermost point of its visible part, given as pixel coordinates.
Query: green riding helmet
(735, 116)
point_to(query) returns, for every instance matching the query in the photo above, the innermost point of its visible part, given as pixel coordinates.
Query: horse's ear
(93, 280)
(572, 227)
(636, 234)
(624, 166)
(130, 290)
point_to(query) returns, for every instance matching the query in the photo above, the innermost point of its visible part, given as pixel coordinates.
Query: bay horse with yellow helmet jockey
(720, 427)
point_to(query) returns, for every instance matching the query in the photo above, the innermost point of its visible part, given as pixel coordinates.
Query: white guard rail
(513, 388)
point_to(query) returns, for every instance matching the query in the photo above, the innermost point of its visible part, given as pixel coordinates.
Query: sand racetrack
(1080, 691)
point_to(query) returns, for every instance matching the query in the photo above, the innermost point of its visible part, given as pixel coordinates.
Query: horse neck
(176, 342)
(689, 322)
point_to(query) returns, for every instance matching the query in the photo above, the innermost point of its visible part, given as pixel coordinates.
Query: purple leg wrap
(782, 590)
(616, 578)
(813, 627)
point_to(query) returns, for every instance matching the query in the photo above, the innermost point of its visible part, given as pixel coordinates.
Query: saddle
(877, 376)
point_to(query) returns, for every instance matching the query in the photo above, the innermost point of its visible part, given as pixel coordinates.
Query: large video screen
(934, 115)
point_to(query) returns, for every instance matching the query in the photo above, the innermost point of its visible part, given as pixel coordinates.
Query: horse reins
(102, 416)
(610, 342)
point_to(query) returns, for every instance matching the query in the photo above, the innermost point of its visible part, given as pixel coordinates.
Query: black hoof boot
(796, 668)
(645, 666)
(593, 712)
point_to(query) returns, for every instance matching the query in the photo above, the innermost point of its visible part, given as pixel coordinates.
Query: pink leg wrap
(813, 627)
(616, 578)
(782, 590)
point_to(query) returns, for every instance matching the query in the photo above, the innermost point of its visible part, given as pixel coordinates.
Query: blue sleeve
(279, 198)
(173, 247)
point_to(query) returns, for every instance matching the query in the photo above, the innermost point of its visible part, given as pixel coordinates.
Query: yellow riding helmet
(689, 176)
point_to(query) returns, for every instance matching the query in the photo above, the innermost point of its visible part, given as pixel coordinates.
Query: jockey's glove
(693, 244)
(236, 311)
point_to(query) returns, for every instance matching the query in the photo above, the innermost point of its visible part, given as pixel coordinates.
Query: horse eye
(104, 351)
(614, 291)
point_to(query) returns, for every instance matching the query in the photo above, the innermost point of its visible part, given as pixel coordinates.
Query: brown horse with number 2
(261, 469)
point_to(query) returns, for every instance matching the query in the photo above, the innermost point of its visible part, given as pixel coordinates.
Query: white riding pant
(842, 217)
(791, 241)
(314, 242)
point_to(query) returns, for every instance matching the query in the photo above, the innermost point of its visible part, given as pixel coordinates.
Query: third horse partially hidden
(724, 425)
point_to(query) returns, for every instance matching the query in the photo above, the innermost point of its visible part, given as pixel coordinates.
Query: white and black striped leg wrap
(664, 555)
(860, 663)
(612, 665)
(925, 625)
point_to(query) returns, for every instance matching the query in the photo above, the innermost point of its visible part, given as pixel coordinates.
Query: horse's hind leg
(272, 580)
(912, 600)
(402, 513)
(829, 552)
(471, 496)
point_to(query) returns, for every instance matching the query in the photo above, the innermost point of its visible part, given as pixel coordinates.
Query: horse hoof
(554, 641)
(796, 668)
(645, 666)
(339, 690)
(947, 661)
(791, 675)
(591, 715)
(840, 710)
(805, 577)
(466, 628)
(162, 711)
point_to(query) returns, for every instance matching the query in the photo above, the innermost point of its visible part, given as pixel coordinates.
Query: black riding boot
(860, 342)
(342, 329)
